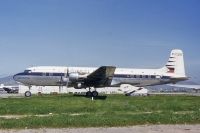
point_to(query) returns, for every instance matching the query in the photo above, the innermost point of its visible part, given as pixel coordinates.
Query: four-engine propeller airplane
(104, 76)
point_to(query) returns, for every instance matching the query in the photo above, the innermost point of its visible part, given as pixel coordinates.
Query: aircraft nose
(19, 77)
(16, 76)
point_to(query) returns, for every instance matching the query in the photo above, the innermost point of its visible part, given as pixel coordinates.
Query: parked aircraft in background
(104, 76)
(130, 90)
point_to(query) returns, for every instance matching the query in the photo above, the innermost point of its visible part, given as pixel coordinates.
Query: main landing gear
(92, 94)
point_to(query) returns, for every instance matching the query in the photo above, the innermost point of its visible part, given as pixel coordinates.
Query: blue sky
(124, 33)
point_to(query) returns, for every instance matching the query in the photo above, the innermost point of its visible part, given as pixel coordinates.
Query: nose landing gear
(28, 93)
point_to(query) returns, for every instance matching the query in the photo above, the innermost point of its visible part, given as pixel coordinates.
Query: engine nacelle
(65, 79)
(79, 86)
(73, 76)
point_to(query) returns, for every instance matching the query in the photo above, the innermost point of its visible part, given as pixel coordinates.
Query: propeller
(64, 79)
(67, 76)
(67, 72)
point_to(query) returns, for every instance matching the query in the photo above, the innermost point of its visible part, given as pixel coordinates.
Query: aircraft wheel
(89, 94)
(95, 93)
(127, 94)
(27, 94)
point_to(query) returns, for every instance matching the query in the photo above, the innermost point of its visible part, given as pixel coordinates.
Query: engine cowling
(65, 79)
(73, 76)
(79, 86)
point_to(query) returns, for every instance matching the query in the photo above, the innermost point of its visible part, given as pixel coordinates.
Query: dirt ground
(133, 129)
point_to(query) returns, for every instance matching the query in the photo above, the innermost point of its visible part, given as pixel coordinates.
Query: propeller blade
(67, 72)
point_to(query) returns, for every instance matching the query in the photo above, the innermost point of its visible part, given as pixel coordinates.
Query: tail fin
(175, 64)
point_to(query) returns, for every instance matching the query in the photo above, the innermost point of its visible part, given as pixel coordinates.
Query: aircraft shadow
(95, 98)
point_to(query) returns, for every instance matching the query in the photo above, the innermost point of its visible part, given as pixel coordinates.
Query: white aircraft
(104, 76)
(130, 90)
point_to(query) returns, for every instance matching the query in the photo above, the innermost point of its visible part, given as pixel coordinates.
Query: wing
(102, 77)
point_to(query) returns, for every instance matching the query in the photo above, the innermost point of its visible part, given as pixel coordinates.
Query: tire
(95, 93)
(127, 94)
(27, 94)
(89, 94)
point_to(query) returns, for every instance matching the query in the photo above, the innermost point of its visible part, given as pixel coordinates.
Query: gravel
(133, 129)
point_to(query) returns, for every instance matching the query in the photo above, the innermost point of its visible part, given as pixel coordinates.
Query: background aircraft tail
(175, 64)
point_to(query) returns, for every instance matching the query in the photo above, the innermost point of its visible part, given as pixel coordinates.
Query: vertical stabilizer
(175, 64)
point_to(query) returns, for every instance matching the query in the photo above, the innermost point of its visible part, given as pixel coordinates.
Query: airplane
(104, 76)
(194, 87)
(130, 90)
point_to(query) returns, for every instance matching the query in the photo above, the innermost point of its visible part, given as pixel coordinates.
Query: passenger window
(140, 76)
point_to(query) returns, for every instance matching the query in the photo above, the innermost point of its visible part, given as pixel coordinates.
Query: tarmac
(6, 95)
(133, 129)
(20, 95)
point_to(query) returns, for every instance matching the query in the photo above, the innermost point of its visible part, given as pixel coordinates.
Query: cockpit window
(27, 71)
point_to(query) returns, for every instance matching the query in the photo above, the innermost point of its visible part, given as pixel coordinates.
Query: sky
(122, 33)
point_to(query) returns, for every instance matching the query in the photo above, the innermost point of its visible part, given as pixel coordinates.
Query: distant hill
(168, 88)
(8, 80)
(189, 82)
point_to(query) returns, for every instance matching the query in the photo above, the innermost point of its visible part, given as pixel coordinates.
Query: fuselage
(55, 76)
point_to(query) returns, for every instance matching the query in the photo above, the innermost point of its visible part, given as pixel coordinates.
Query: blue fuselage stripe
(115, 76)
